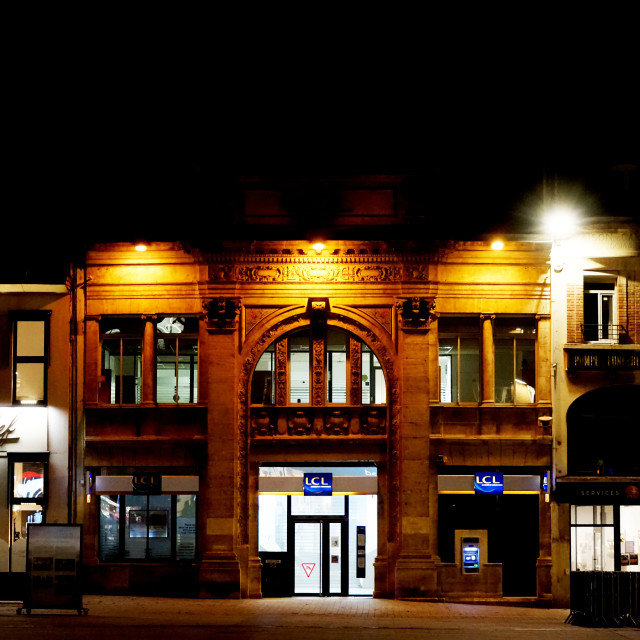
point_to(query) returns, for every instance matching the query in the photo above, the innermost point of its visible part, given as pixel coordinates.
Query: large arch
(603, 437)
(290, 319)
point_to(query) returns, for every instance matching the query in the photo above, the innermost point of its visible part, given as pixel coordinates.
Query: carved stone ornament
(221, 313)
(416, 313)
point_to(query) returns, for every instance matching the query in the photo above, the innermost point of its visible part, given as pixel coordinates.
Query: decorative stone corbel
(221, 313)
(416, 314)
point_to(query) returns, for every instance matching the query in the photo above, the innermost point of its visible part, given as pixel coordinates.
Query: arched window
(335, 368)
(603, 438)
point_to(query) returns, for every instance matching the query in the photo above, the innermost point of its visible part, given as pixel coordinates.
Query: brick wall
(575, 312)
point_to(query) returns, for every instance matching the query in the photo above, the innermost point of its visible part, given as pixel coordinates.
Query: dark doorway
(512, 523)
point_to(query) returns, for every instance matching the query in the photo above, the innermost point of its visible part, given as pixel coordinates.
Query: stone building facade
(409, 383)
(596, 364)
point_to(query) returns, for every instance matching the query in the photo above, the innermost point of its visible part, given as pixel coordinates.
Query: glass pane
(504, 374)
(448, 361)
(299, 377)
(307, 571)
(336, 377)
(29, 382)
(135, 538)
(262, 387)
(159, 526)
(272, 523)
(28, 479)
(469, 370)
(335, 557)
(5, 533)
(109, 541)
(525, 380)
(21, 516)
(317, 505)
(629, 538)
(30, 338)
(186, 527)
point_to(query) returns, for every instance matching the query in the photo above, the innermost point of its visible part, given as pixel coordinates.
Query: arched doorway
(318, 413)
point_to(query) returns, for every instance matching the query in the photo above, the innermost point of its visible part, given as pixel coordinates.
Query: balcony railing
(609, 333)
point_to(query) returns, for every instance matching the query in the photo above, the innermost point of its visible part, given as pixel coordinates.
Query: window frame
(122, 337)
(193, 375)
(16, 318)
(593, 286)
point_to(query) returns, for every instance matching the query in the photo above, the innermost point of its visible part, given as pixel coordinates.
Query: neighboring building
(596, 363)
(409, 380)
(35, 410)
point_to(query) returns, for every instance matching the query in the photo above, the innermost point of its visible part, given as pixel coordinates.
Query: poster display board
(54, 565)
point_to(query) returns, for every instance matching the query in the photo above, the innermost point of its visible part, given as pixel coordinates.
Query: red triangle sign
(308, 568)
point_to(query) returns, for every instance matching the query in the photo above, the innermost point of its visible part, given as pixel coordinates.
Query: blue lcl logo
(318, 484)
(488, 483)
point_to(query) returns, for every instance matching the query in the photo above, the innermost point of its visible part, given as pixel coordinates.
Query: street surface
(125, 618)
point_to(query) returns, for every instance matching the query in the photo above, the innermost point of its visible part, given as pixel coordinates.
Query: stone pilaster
(220, 568)
(415, 571)
(488, 360)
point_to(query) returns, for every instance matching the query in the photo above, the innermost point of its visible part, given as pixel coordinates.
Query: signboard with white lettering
(603, 360)
(488, 483)
(598, 492)
(318, 484)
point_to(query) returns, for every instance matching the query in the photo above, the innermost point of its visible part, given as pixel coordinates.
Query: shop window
(592, 538)
(600, 309)
(121, 340)
(177, 359)
(153, 527)
(30, 357)
(515, 366)
(459, 359)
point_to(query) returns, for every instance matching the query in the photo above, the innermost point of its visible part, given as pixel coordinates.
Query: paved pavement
(127, 618)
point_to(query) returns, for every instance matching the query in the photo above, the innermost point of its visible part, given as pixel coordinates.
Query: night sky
(114, 140)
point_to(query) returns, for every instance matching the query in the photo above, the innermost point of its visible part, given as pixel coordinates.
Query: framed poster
(54, 565)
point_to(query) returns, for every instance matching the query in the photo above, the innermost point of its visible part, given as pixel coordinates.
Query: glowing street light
(560, 222)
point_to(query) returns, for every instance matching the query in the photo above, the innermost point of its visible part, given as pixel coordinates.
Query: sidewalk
(302, 618)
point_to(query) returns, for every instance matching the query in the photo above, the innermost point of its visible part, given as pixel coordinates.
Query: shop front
(604, 523)
(317, 529)
(496, 513)
(24, 490)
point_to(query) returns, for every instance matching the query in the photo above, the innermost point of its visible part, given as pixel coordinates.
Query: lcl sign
(147, 482)
(488, 483)
(318, 484)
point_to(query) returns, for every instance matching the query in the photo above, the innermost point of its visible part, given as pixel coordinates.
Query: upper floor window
(30, 331)
(177, 359)
(600, 309)
(340, 361)
(459, 358)
(121, 339)
(515, 363)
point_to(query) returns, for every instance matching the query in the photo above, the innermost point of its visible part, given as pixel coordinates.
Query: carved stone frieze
(305, 269)
(416, 313)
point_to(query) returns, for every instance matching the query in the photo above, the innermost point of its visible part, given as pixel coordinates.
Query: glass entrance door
(319, 557)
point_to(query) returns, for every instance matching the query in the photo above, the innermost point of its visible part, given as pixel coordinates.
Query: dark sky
(140, 129)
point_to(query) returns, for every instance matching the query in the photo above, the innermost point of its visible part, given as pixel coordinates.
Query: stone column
(488, 359)
(415, 571)
(220, 568)
(148, 355)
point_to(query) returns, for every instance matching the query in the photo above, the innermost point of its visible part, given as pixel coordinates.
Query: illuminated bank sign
(488, 483)
(147, 483)
(318, 484)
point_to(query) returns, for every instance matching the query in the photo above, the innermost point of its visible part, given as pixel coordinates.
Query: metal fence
(604, 599)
